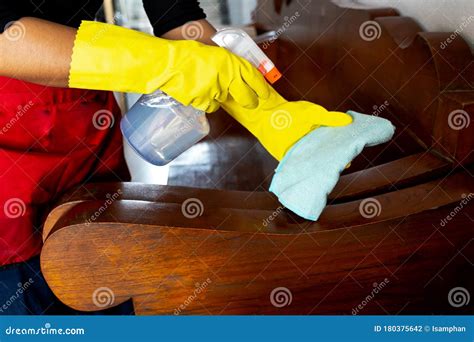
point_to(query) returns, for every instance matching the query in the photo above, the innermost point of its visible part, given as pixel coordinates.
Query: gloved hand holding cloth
(279, 124)
(312, 144)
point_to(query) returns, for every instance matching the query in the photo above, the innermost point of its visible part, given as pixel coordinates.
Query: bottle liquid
(159, 128)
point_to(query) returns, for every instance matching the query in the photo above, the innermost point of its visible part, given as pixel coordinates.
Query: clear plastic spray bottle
(159, 128)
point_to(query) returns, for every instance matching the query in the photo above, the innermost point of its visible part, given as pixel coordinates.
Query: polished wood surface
(145, 251)
(235, 216)
(375, 180)
(402, 215)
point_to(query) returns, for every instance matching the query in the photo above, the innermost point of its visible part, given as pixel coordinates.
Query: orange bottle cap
(273, 75)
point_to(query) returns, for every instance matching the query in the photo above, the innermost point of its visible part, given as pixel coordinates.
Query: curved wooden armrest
(233, 215)
(155, 254)
(385, 177)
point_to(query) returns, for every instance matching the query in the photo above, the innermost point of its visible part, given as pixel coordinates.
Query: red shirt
(51, 139)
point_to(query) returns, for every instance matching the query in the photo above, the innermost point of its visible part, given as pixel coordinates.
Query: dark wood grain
(391, 176)
(158, 265)
(385, 177)
(154, 254)
(236, 216)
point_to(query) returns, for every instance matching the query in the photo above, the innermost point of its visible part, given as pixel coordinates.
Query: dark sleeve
(166, 15)
(8, 13)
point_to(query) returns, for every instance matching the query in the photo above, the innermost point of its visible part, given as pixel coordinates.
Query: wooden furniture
(396, 237)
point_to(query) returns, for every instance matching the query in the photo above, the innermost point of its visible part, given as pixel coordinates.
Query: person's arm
(200, 30)
(38, 51)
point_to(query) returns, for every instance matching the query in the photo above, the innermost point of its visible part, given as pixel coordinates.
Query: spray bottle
(159, 128)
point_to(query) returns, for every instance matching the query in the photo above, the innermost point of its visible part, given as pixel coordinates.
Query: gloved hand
(278, 124)
(109, 57)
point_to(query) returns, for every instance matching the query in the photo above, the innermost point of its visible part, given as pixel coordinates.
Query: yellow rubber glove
(109, 57)
(278, 123)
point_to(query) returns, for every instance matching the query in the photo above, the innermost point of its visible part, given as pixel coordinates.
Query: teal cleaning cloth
(311, 168)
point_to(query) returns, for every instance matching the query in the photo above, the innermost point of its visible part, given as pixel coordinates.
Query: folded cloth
(311, 168)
